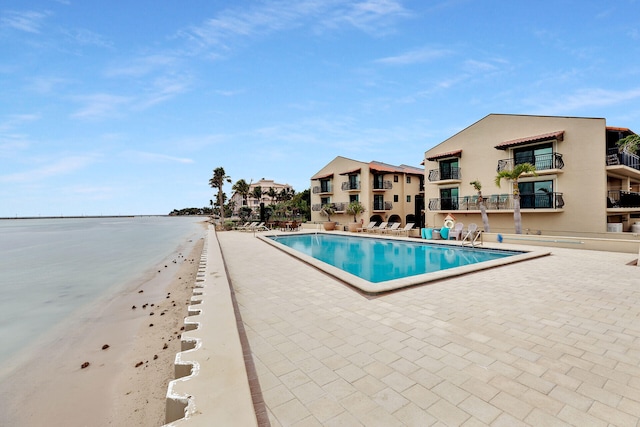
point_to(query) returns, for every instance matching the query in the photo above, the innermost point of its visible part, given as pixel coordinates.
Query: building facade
(269, 189)
(583, 184)
(389, 193)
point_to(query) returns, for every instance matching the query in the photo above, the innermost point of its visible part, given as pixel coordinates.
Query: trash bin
(436, 234)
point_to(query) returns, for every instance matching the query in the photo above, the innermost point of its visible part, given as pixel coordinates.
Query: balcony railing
(339, 207)
(347, 186)
(498, 202)
(623, 199)
(322, 189)
(441, 175)
(614, 157)
(541, 162)
(384, 185)
(384, 206)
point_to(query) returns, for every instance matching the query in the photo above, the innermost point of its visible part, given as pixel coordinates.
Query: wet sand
(130, 354)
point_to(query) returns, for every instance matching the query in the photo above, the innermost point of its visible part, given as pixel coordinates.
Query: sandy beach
(129, 341)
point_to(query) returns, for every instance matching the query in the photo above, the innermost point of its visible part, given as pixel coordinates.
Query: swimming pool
(375, 264)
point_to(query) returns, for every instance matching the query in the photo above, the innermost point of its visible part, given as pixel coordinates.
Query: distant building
(389, 193)
(584, 185)
(254, 203)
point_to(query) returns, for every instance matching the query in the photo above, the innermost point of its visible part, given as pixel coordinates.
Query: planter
(330, 225)
(353, 226)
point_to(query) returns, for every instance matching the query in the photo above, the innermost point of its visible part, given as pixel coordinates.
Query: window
(325, 200)
(408, 199)
(395, 178)
(395, 198)
(353, 182)
(449, 198)
(540, 156)
(378, 202)
(325, 185)
(408, 179)
(353, 198)
(449, 169)
(378, 182)
(536, 194)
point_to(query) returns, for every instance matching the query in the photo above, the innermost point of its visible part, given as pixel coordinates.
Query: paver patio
(548, 342)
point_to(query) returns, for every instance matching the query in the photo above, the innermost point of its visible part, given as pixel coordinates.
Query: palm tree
(217, 181)
(629, 144)
(483, 210)
(242, 188)
(272, 193)
(513, 176)
(257, 193)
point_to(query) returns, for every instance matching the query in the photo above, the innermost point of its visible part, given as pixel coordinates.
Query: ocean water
(49, 268)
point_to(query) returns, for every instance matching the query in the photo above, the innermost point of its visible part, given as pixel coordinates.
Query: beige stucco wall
(582, 180)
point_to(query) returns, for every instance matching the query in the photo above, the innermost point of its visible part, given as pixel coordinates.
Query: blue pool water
(379, 260)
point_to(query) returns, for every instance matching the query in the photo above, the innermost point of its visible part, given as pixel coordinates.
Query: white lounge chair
(391, 229)
(247, 226)
(382, 226)
(405, 230)
(369, 226)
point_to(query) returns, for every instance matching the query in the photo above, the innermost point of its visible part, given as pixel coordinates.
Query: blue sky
(111, 107)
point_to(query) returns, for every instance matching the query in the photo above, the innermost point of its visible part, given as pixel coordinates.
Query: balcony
(382, 186)
(498, 202)
(614, 158)
(445, 174)
(383, 206)
(623, 199)
(339, 207)
(322, 189)
(542, 162)
(350, 186)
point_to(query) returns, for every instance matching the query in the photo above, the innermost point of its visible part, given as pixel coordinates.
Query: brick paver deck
(549, 342)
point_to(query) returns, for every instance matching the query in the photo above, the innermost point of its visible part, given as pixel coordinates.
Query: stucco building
(389, 193)
(268, 197)
(583, 186)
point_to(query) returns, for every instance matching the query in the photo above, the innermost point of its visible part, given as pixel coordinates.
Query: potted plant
(328, 210)
(355, 208)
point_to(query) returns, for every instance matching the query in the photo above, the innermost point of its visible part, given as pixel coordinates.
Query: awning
(456, 153)
(558, 135)
(329, 175)
(352, 172)
(381, 167)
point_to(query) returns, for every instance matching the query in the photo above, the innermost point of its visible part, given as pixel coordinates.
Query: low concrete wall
(212, 386)
(609, 244)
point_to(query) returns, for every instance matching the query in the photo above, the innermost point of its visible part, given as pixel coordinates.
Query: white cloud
(100, 105)
(233, 24)
(142, 66)
(28, 21)
(60, 167)
(15, 120)
(588, 98)
(156, 157)
(415, 56)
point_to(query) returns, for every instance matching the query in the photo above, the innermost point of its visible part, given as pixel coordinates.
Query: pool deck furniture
(391, 229)
(368, 227)
(375, 229)
(456, 231)
(405, 230)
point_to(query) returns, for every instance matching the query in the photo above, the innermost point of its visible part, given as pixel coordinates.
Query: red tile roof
(351, 172)
(559, 135)
(328, 175)
(456, 153)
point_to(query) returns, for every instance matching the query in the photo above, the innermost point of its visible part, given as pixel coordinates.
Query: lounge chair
(391, 229)
(382, 226)
(254, 226)
(247, 226)
(407, 228)
(238, 227)
(456, 231)
(369, 226)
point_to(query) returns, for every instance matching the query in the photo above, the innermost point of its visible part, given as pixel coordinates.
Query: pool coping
(371, 288)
